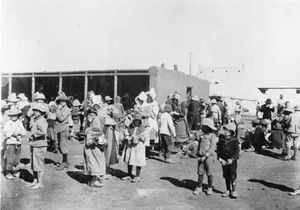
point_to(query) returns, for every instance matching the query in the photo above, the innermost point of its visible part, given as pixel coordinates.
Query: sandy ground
(263, 183)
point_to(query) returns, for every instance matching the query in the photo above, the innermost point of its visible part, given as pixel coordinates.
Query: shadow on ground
(26, 175)
(272, 185)
(79, 176)
(26, 161)
(187, 183)
(117, 173)
(269, 153)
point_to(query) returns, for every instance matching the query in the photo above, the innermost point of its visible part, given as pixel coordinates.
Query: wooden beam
(86, 80)
(115, 85)
(32, 86)
(60, 83)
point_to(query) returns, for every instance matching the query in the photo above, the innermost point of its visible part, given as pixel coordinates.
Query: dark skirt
(229, 171)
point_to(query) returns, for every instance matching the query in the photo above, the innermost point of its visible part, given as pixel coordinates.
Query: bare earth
(263, 183)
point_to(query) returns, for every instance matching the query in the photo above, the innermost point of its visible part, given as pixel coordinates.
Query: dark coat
(228, 148)
(193, 108)
(267, 111)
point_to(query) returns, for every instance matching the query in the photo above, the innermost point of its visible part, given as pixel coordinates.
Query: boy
(38, 143)
(63, 114)
(228, 151)
(13, 132)
(207, 145)
(166, 130)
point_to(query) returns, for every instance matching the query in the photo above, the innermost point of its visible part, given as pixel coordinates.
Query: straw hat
(209, 123)
(39, 96)
(76, 103)
(213, 101)
(230, 127)
(177, 94)
(13, 112)
(92, 110)
(12, 98)
(62, 98)
(288, 109)
(22, 97)
(41, 107)
(263, 122)
(195, 98)
(107, 98)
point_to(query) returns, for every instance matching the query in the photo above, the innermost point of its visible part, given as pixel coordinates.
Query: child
(166, 130)
(51, 119)
(134, 154)
(76, 118)
(38, 144)
(13, 132)
(94, 156)
(228, 151)
(207, 145)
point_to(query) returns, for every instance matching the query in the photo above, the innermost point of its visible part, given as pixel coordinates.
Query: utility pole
(190, 63)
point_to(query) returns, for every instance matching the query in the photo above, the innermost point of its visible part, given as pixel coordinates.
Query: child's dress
(94, 156)
(134, 153)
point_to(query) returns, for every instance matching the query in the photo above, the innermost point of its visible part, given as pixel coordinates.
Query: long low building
(123, 82)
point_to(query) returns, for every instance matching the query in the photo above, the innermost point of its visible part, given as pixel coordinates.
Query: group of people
(111, 134)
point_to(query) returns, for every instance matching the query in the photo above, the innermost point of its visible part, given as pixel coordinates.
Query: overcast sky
(115, 34)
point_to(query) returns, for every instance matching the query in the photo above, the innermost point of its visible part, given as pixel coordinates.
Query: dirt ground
(263, 183)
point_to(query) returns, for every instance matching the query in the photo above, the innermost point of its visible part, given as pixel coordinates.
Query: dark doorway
(48, 86)
(22, 85)
(189, 92)
(130, 86)
(73, 86)
(103, 85)
(4, 87)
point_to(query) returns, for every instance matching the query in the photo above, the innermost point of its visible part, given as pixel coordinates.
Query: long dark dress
(180, 123)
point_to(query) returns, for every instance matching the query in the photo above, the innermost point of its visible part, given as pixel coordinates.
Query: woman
(179, 118)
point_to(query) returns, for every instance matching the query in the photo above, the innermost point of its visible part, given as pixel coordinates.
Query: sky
(262, 35)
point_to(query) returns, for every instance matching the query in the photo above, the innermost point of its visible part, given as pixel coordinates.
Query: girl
(228, 151)
(134, 152)
(94, 156)
(13, 132)
(206, 148)
(38, 144)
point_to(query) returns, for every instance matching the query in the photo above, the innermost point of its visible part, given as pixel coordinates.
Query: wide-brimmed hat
(255, 122)
(177, 94)
(230, 127)
(14, 111)
(195, 98)
(288, 109)
(263, 122)
(213, 101)
(39, 96)
(297, 108)
(12, 98)
(209, 123)
(92, 110)
(22, 97)
(76, 103)
(107, 98)
(62, 98)
(40, 107)
(168, 108)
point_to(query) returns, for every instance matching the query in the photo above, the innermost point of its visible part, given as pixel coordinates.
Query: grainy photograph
(150, 104)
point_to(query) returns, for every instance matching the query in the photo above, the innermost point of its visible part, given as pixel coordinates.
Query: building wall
(168, 81)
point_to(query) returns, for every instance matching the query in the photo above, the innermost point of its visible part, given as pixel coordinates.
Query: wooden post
(60, 82)
(86, 80)
(9, 84)
(32, 86)
(115, 84)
